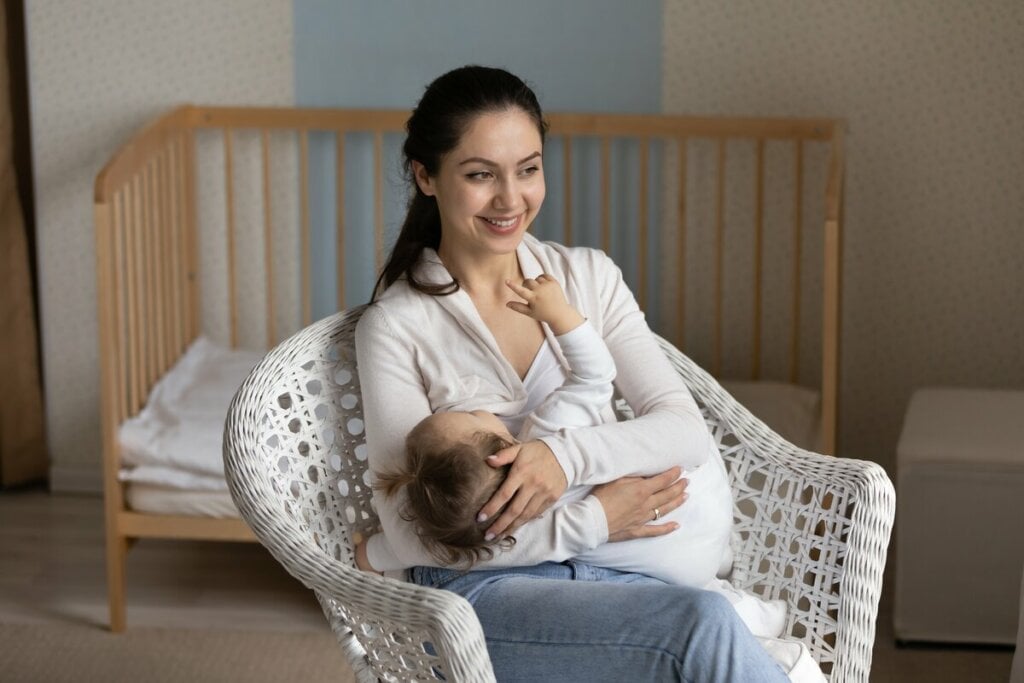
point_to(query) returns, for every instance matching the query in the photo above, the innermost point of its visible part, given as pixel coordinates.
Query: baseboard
(75, 479)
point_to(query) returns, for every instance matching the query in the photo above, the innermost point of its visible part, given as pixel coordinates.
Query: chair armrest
(390, 620)
(814, 530)
(811, 529)
(382, 624)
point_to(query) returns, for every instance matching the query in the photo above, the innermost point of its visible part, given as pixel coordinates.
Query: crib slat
(117, 315)
(680, 266)
(798, 218)
(378, 199)
(191, 239)
(149, 267)
(166, 310)
(174, 229)
(307, 315)
(832, 293)
(645, 144)
(339, 198)
(142, 298)
(830, 344)
(567, 188)
(135, 261)
(606, 196)
(180, 211)
(755, 361)
(229, 201)
(160, 253)
(716, 359)
(174, 349)
(268, 238)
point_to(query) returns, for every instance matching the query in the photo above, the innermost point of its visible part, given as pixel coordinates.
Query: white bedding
(175, 441)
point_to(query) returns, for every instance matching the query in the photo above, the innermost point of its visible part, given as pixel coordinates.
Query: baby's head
(448, 480)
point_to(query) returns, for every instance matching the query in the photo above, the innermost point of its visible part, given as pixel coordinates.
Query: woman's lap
(571, 621)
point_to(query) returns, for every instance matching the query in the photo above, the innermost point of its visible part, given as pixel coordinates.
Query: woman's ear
(423, 179)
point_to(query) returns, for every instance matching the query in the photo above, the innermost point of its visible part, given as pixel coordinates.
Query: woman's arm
(668, 430)
(394, 401)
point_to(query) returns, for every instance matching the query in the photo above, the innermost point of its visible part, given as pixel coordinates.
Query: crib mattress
(792, 411)
(161, 500)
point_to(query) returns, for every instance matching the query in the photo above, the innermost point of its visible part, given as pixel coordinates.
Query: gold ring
(657, 514)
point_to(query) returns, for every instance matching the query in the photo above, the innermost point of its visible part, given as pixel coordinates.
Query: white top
(544, 376)
(419, 354)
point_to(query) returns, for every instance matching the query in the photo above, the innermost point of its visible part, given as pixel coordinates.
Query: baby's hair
(447, 483)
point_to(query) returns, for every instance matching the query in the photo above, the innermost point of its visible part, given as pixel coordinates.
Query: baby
(448, 479)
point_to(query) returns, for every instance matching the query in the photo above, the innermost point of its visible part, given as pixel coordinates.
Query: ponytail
(421, 229)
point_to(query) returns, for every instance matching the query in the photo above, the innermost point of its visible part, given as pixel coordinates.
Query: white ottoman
(960, 516)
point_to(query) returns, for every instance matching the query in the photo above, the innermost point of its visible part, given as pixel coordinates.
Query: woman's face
(490, 187)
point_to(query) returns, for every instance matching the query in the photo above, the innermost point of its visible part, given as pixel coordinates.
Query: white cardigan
(420, 354)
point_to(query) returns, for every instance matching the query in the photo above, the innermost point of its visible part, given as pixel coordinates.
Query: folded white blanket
(766, 619)
(182, 425)
(795, 659)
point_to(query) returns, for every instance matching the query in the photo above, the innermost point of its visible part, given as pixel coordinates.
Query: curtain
(22, 441)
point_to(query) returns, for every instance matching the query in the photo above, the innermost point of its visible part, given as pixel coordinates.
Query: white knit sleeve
(578, 402)
(668, 429)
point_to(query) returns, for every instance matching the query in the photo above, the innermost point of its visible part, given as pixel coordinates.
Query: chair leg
(117, 552)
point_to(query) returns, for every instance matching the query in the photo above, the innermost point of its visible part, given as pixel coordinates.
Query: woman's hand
(362, 561)
(630, 502)
(534, 482)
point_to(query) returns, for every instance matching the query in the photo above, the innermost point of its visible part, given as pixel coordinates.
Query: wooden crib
(727, 229)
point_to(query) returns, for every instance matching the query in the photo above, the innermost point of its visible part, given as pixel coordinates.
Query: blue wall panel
(579, 55)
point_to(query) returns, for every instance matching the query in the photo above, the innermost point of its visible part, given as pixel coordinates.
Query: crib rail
(149, 232)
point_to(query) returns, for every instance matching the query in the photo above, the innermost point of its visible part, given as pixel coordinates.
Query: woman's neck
(481, 277)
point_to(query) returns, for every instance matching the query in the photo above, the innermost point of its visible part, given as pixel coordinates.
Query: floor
(51, 570)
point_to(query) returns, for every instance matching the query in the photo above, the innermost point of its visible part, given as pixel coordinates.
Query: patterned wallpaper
(931, 92)
(934, 234)
(98, 71)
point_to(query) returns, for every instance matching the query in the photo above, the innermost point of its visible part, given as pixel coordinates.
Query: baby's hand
(545, 301)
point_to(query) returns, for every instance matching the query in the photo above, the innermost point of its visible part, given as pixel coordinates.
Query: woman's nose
(506, 196)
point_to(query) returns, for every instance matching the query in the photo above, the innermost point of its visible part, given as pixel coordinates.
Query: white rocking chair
(810, 529)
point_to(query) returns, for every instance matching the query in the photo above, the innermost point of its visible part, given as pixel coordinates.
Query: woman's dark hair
(437, 123)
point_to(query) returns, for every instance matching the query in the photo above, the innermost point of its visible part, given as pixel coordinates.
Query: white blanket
(182, 425)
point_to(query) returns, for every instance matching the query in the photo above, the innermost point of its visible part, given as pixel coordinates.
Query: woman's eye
(530, 170)
(479, 175)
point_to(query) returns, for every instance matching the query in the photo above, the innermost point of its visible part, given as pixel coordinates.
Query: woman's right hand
(629, 504)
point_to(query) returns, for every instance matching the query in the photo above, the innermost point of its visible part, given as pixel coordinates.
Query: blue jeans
(575, 622)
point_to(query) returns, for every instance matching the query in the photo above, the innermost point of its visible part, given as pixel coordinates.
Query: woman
(441, 337)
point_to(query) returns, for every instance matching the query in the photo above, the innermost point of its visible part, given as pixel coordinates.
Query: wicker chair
(810, 529)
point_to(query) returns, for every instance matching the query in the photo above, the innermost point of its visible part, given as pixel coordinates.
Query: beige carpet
(58, 652)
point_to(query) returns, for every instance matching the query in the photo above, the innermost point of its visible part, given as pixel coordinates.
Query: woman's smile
(502, 226)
